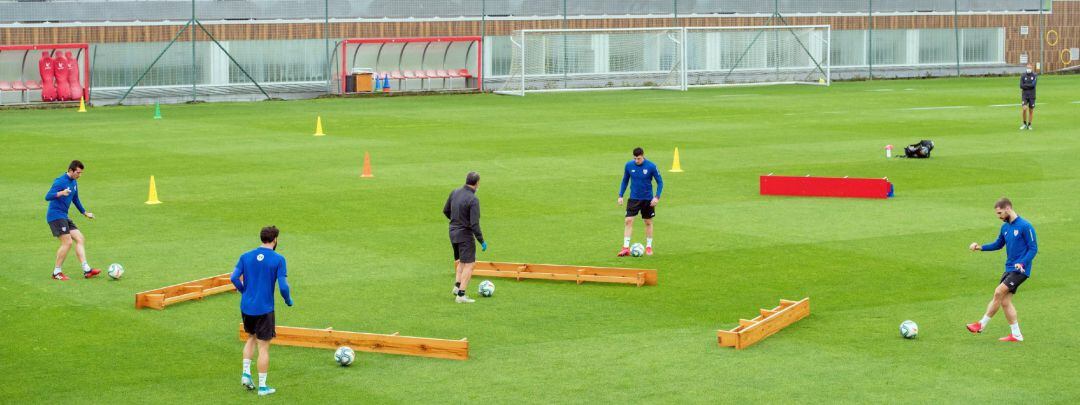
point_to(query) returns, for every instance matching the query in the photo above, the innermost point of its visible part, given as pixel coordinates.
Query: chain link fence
(184, 50)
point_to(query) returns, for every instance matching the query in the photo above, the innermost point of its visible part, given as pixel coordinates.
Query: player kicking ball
(64, 192)
(1018, 237)
(639, 174)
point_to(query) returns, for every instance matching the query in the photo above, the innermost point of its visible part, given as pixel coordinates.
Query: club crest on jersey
(259, 257)
(1016, 232)
(646, 171)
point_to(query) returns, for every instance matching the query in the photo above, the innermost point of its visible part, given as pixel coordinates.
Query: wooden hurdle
(369, 342)
(769, 322)
(579, 274)
(191, 290)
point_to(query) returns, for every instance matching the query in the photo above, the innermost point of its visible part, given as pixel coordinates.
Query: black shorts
(465, 252)
(62, 226)
(643, 206)
(262, 326)
(1012, 280)
(1028, 101)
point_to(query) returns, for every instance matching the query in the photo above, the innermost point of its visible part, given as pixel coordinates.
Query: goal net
(666, 58)
(758, 55)
(594, 59)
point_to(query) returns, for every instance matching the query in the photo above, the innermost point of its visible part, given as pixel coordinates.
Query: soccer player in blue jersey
(1018, 237)
(639, 174)
(64, 192)
(254, 276)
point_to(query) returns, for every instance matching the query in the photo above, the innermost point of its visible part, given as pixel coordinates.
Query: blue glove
(288, 302)
(483, 246)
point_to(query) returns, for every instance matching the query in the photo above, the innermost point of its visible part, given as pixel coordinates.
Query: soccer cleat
(454, 291)
(975, 327)
(1012, 338)
(266, 391)
(91, 273)
(1023, 127)
(1029, 127)
(60, 276)
(461, 299)
(624, 252)
(648, 251)
(245, 380)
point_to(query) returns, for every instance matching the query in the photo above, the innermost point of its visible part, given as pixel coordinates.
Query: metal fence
(253, 49)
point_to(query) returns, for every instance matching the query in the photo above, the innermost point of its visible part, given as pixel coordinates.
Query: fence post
(956, 33)
(870, 38)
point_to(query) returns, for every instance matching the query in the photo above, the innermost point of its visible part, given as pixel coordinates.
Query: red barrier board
(826, 187)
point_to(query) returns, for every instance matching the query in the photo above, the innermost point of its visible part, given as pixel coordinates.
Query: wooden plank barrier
(770, 321)
(578, 274)
(369, 342)
(191, 290)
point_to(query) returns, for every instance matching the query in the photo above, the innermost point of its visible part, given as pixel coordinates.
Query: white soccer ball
(487, 288)
(909, 330)
(116, 271)
(637, 250)
(344, 356)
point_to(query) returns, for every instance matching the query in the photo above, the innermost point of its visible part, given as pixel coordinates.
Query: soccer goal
(596, 59)
(674, 58)
(786, 54)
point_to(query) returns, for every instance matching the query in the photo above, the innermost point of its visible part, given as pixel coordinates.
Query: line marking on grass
(881, 90)
(1075, 102)
(1005, 105)
(951, 107)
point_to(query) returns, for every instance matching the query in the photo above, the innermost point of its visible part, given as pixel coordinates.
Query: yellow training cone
(318, 126)
(82, 105)
(675, 166)
(153, 193)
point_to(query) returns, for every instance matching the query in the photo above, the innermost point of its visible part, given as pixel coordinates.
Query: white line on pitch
(1076, 102)
(881, 90)
(1005, 105)
(938, 108)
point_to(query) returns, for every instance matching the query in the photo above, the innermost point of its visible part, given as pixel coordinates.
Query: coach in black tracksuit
(463, 210)
(1027, 99)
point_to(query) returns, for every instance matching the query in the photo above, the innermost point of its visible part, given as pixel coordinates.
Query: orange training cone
(367, 166)
(153, 193)
(318, 126)
(675, 166)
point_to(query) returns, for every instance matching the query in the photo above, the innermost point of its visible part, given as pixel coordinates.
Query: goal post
(673, 58)
(596, 59)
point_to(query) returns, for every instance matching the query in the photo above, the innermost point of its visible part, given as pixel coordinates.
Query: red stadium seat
(464, 73)
(33, 85)
(18, 86)
(5, 86)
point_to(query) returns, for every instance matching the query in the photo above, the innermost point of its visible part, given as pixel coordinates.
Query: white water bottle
(888, 151)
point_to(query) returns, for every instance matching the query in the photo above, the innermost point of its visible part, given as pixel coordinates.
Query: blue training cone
(386, 83)
(378, 83)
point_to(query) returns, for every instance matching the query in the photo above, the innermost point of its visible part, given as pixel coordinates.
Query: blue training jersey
(59, 206)
(260, 269)
(640, 180)
(1018, 238)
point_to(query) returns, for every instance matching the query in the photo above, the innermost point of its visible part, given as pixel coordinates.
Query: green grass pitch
(372, 255)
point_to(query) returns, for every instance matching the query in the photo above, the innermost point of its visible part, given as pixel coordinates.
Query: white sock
(247, 366)
(1016, 329)
(85, 267)
(262, 380)
(648, 242)
(984, 321)
(56, 271)
(626, 242)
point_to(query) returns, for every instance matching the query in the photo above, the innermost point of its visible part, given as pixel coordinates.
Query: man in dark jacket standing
(463, 210)
(1027, 96)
